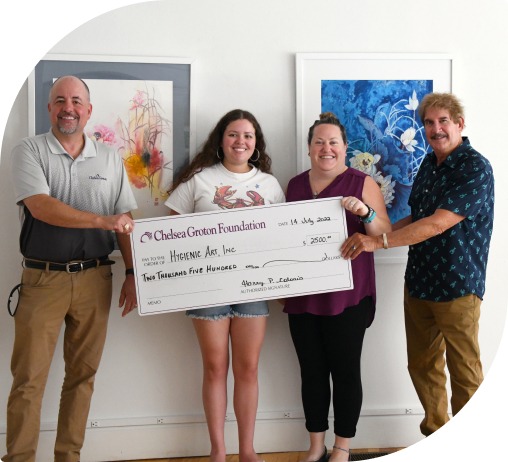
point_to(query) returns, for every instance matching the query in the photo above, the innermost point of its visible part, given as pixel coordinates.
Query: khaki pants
(435, 330)
(47, 300)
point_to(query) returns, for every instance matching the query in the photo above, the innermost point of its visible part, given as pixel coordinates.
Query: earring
(218, 155)
(257, 158)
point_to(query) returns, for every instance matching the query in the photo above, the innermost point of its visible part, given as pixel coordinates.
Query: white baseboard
(144, 438)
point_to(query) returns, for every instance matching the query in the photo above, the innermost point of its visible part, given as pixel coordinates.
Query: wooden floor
(267, 457)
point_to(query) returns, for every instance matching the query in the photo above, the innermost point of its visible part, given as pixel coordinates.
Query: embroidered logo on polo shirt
(97, 177)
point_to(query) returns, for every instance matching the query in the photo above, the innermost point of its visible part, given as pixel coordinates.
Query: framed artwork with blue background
(376, 98)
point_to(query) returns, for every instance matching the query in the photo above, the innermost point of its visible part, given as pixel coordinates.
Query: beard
(68, 129)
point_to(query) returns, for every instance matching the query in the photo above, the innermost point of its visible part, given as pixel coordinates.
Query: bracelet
(371, 214)
(129, 271)
(385, 241)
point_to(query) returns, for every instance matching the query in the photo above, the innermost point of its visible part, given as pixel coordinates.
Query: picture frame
(128, 84)
(376, 98)
(311, 68)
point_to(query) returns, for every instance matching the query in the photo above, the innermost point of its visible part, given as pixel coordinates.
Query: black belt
(71, 267)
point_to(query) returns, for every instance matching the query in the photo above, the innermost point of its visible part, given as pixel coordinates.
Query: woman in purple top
(328, 329)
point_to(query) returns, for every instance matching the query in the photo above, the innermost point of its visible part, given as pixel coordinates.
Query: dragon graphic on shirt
(224, 198)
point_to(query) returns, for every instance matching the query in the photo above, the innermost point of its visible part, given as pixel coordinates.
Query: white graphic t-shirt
(216, 188)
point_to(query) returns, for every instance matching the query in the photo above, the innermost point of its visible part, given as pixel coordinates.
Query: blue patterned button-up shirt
(452, 264)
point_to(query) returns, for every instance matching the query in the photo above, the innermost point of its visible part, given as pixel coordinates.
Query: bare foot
(313, 456)
(339, 455)
(218, 456)
(249, 458)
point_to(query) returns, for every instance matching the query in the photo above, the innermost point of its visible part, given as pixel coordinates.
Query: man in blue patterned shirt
(448, 233)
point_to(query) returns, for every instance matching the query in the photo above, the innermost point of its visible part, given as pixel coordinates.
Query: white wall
(244, 57)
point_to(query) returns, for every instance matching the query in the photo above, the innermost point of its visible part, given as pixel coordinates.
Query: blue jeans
(245, 310)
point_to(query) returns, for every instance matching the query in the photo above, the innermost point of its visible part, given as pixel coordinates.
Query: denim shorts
(242, 310)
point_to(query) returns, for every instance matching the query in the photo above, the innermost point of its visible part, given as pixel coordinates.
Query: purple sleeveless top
(349, 183)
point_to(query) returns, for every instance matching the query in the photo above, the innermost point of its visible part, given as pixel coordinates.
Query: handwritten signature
(246, 283)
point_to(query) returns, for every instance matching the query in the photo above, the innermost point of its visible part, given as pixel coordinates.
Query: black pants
(331, 345)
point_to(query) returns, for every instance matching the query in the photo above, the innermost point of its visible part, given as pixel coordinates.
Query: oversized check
(207, 259)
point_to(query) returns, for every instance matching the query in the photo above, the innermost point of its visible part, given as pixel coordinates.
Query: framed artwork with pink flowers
(376, 97)
(142, 107)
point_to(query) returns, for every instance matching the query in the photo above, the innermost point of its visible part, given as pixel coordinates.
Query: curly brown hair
(210, 151)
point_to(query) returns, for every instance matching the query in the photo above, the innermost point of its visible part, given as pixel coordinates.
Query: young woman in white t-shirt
(232, 170)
